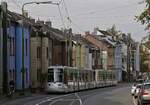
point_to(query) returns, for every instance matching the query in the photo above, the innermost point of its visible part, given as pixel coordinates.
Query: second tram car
(69, 79)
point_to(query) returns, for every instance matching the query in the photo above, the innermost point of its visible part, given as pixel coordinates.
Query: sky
(87, 14)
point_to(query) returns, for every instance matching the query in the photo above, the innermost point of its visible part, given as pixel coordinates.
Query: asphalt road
(119, 95)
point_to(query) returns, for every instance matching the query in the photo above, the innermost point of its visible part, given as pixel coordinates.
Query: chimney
(40, 22)
(32, 21)
(25, 13)
(48, 23)
(87, 33)
(4, 6)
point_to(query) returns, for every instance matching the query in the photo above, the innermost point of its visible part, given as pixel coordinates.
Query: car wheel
(140, 102)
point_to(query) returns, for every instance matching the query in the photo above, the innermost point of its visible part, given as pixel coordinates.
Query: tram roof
(50, 67)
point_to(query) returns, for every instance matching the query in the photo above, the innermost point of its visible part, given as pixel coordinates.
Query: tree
(144, 17)
(143, 57)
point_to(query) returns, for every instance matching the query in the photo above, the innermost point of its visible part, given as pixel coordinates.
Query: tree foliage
(143, 57)
(147, 44)
(144, 17)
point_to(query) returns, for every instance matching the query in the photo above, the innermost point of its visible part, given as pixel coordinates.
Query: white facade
(1, 60)
(137, 58)
(104, 59)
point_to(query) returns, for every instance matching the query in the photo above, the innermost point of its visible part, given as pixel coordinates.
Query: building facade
(103, 56)
(82, 58)
(118, 60)
(39, 55)
(3, 9)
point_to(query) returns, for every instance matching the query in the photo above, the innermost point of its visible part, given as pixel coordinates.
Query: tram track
(72, 98)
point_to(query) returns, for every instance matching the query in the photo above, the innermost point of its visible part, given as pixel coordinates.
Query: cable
(116, 16)
(109, 9)
(15, 2)
(77, 27)
(66, 7)
(67, 13)
(61, 17)
(68, 17)
(60, 2)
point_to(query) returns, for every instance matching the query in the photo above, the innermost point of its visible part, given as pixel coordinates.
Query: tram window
(50, 75)
(71, 76)
(59, 75)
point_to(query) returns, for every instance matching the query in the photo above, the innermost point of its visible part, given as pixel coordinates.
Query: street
(119, 95)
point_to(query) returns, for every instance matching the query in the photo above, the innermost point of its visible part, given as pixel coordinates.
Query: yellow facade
(79, 56)
(83, 56)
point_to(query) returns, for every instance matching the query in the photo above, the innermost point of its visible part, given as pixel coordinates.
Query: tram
(69, 79)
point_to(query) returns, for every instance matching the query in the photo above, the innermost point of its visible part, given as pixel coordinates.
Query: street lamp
(45, 2)
(23, 69)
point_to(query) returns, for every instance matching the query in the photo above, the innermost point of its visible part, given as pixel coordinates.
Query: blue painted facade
(11, 53)
(14, 58)
(118, 61)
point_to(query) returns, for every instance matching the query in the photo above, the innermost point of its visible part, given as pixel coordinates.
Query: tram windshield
(50, 75)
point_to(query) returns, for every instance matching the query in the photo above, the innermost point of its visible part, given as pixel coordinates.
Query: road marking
(55, 101)
(76, 100)
(76, 94)
(50, 99)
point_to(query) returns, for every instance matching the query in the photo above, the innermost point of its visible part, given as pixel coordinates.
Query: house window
(47, 52)
(10, 75)
(38, 52)
(10, 45)
(26, 42)
(13, 74)
(38, 75)
(13, 46)
(26, 75)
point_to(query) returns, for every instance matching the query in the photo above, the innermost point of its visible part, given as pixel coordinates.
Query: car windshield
(139, 86)
(147, 86)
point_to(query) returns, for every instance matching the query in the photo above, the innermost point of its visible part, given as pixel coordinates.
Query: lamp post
(23, 69)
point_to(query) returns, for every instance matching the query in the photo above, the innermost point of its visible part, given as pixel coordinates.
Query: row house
(104, 55)
(119, 51)
(49, 47)
(121, 60)
(39, 54)
(135, 60)
(104, 37)
(16, 59)
(13, 59)
(60, 48)
(3, 9)
(82, 57)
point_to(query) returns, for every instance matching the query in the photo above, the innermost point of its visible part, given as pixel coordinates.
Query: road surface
(119, 95)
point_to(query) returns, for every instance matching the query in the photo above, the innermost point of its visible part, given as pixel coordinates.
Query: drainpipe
(1, 52)
(4, 25)
(41, 55)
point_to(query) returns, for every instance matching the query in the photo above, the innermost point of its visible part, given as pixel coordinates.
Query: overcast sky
(87, 14)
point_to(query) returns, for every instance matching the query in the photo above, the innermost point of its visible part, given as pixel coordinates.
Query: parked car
(144, 94)
(135, 89)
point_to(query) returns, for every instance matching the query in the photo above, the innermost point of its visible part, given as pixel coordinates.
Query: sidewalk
(16, 95)
(18, 99)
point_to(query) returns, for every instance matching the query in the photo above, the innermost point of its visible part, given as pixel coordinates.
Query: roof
(81, 40)
(105, 40)
(104, 32)
(50, 31)
(15, 17)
